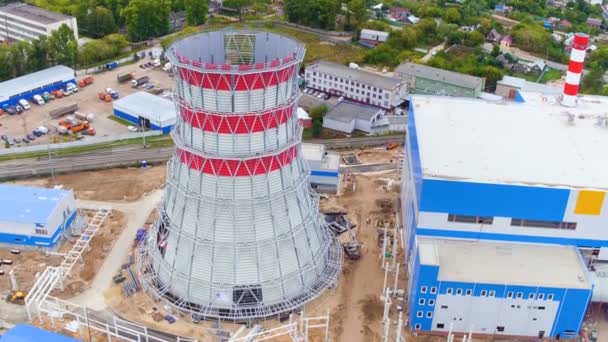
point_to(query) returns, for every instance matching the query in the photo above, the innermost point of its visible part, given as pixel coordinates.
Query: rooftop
(374, 32)
(148, 106)
(34, 13)
(510, 142)
(505, 263)
(527, 86)
(346, 111)
(357, 75)
(35, 80)
(313, 151)
(25, 204)
(25, 333)
(440, 75)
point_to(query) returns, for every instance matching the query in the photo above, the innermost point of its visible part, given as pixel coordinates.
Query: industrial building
(35, 217)
(508, 172)
(495, 288)
(147, 110)
(355, 84)
(346, 117)
(509, 86)
(239, 235)
(423, 79)
(20, 21)
(25, 87)
(324, 167)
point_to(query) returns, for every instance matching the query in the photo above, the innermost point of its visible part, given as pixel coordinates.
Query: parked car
(38, 100)
(26, 140)
(18, 108)
(320, 96)
(25, 104)
(11, 110)
(31, 137)
(71, 87)
(17, 140)
(4, 137)
(326, 97)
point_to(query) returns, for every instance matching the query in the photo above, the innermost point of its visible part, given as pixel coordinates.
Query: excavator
(17, 297)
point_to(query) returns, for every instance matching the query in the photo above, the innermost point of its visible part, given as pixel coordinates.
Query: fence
(86, 142)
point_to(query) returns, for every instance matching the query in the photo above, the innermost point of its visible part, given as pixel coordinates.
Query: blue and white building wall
(25, 87)
(437, 304)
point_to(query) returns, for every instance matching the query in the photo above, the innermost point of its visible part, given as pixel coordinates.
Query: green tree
(196, 11)
(359, 11)
(63, 47)
(116, 43)
(18, 59)
(94, 51)
(318, 112)
(451, 15)
(473, 38)
(495, 51)
(317, 127)
(39, 53)
(101, 22)
(238, 6)
(325, 13)
(4, 62)
(147, 18)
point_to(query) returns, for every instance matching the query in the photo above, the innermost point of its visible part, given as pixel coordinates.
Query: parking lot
(18, 126)
(312, 98)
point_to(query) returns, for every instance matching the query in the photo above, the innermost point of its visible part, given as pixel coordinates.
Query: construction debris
(351, 159)
(338, 222)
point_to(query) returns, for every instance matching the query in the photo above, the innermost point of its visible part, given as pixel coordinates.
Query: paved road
(132, 155)
(432, 52)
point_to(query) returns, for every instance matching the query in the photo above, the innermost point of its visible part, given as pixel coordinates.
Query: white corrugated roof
(35, 80)
(149, 106)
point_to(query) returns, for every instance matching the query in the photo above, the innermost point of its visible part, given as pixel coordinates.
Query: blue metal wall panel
(571, 312)
(36, 240)
(483, 199)
(324, 173)
(135, 121)
(423, 275)
(28, 95)
(511, 237)
(411, 141)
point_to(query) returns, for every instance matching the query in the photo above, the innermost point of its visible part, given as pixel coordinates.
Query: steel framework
(239, 235)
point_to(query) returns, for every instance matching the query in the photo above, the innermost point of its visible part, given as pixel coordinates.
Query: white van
(25, 104)
(71, 88)
(38, 99)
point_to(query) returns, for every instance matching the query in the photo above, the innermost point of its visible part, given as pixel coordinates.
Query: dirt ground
(375, 155)
(30, 262)
(20, 125)
(124, 184)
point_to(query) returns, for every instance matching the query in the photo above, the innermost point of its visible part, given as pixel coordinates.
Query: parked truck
(85, 81)
(124, 77)
(61, 111)
(113, 93)
(138, 82)
(81, 116)
(112, 65)
(105, 96)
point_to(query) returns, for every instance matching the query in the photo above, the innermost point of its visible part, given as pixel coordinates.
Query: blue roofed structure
(34, 216)
(28, 333)
(25, 87)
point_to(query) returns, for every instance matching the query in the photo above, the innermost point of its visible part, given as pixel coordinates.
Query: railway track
(132, 155)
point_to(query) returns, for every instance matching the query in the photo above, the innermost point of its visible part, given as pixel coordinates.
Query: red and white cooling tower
(575, 69)
(239, 235)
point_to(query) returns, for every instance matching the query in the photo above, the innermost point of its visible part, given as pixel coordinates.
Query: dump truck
(74, 125)
(124, 77)
(85, 81)
(16, 297)
(58, 93)
(138, 82)
(61, 111)
(105, 96)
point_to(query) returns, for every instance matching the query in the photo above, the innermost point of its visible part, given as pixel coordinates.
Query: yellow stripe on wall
(589, 202)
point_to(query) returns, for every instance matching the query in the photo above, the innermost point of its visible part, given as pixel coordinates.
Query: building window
(423, 289)
(541, 296)
(419, 314)
(492, 293)
(314, 73)
(429, 314)
(520, 295)
(459, 292)
(449, 291)
(417, 326)
(510, 294)
(444, 306)
(500, 329)
(433, 290)
(469, 292)
(42, 231)
(550, 296)
(541, 308)
(440, 325)
(470, 219)
(484, 293)
(543, 224)
(386, 95)
(421, 301)
(431, 302)
(531, 296)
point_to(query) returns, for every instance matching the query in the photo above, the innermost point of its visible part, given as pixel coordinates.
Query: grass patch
(307, 134)
(551, 75)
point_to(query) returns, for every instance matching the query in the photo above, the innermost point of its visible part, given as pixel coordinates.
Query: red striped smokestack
(575, 69)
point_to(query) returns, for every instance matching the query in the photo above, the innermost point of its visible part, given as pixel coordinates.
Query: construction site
(149, 253)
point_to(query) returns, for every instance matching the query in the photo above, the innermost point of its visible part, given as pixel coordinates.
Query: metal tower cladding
(239, 235)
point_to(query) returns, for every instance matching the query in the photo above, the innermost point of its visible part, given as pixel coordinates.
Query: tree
(318, 112)
(238, 6)
(473, 38)
(147, 18)
(358, 10)
(39, 53)
(63, 47)
(452, 15)
(101, 22)
(317, 127)
(116, 42)
(94, 51)
(315, 13)
(495, 51)
(4, 62)
(196, 11)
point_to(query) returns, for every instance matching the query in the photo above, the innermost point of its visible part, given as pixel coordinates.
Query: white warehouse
(147, 110)
(19, 21)
(35, 217)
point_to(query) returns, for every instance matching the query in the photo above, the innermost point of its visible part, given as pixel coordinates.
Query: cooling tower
(239, 235)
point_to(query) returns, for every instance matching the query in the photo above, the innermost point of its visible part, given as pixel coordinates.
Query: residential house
(564, 25)
(556, 37)
(494, 36)
(536, 67)
(399, 14)
(594, 22)
(412, 19)
(505, 43)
